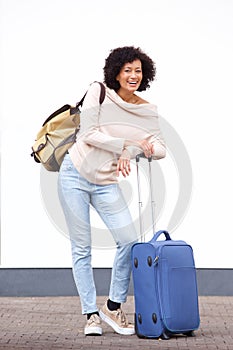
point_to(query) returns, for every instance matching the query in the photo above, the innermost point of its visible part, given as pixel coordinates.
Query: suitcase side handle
(159, 233)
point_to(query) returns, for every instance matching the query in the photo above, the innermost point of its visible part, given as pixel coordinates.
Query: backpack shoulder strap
(101, 98)
(102, 93)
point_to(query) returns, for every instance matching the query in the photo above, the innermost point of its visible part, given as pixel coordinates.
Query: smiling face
(130, 76)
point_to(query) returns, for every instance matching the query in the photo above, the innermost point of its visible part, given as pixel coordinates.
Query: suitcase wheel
(190, 334)
(165, 335)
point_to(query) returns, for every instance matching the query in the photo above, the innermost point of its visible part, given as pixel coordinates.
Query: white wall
(51, 50)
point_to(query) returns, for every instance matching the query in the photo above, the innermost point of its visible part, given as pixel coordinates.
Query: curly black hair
(127, 54)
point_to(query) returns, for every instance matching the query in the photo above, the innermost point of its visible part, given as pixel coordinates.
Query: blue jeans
(76, 195)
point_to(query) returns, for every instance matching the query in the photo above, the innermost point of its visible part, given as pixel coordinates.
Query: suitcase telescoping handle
(142, 233)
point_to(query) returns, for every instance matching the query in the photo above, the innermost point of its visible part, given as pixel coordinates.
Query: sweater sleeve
(156, 139)
(159, 150)
(159, 147)
(90, 128)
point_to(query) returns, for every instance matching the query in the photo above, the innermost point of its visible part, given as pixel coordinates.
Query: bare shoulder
(140, 101)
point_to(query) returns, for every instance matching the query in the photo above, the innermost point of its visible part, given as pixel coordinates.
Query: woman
(110, 135)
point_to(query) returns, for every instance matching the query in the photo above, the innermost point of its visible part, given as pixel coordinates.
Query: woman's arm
(155, 147)
(159, 147)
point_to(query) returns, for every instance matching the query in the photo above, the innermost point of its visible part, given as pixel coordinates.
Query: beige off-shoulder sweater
(106, 129)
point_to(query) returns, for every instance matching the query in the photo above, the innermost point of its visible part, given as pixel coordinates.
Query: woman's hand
(147, 148)
(123, 164)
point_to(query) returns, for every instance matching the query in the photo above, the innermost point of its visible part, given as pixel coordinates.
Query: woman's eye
(129, 71)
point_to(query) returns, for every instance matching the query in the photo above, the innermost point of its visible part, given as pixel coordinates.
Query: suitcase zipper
(156, 260)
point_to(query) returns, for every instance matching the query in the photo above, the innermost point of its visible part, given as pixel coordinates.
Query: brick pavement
(55, 323)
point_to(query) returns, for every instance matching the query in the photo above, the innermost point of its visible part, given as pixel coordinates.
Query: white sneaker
(93, 326)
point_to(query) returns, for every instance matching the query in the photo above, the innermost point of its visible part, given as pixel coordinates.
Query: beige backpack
(58, 133)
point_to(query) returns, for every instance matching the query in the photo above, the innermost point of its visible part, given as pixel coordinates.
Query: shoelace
(94, 319)
(120, 314)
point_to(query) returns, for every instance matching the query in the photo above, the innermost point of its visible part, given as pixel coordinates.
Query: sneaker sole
(117, 329)
(93, 331)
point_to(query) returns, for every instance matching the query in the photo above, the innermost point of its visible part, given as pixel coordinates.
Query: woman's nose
(133, 74)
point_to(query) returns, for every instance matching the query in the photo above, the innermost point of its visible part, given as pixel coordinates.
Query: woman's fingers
(123, 166)
(146, 147)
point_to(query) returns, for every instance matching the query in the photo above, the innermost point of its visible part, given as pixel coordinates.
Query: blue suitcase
(165, 286)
